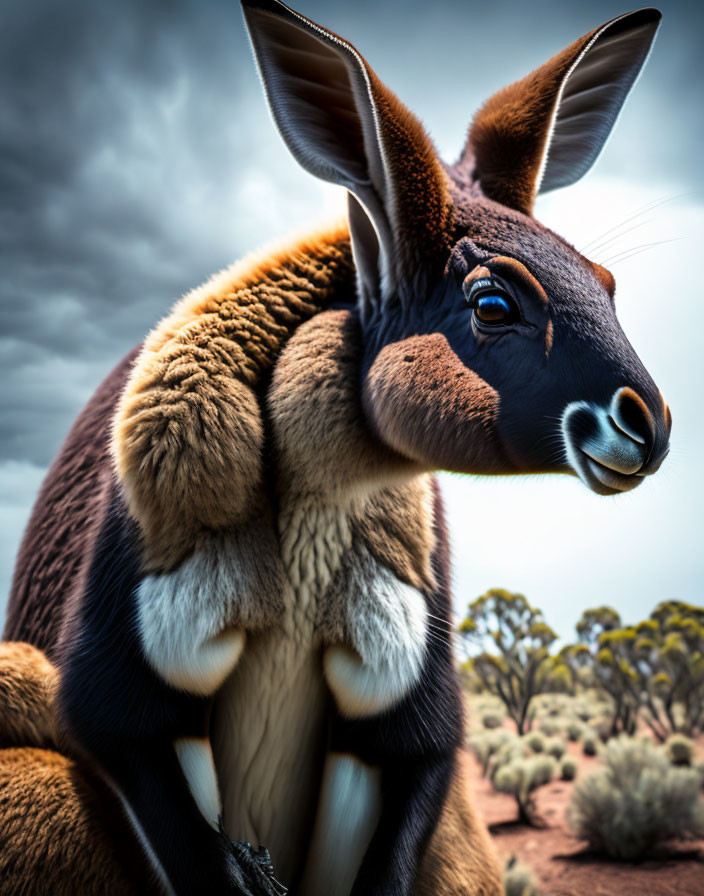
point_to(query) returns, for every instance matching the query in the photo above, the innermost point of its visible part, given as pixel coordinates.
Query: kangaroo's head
(490, 344)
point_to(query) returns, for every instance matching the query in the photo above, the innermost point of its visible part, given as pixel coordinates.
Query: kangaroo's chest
(347, 634)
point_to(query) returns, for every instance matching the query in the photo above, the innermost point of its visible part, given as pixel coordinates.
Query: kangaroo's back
(63, 523)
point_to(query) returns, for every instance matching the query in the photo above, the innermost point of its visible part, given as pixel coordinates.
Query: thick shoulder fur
(188, 435)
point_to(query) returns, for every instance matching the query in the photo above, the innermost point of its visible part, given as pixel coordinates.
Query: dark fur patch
(119, 717)
(414, 744)
(64, 520)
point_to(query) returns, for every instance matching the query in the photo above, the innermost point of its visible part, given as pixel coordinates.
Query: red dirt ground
(559, 861)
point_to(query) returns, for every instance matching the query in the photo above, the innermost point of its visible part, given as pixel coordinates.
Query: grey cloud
(137, 157)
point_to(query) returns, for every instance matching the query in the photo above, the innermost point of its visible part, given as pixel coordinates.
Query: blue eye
(493, 308)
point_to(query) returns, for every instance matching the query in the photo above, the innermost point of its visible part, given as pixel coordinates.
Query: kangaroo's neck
(333, 477)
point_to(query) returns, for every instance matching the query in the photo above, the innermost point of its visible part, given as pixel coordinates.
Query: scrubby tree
(593, 623)
(515, 662)
(616, 671)
(653, 670)
(674, 647)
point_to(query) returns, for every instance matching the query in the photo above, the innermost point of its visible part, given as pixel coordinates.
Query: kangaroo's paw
(251, 868)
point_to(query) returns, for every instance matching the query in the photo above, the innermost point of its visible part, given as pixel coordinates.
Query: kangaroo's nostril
(629, 413)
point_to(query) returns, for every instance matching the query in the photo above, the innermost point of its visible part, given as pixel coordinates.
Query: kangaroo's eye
(493, 308)
(492, 303)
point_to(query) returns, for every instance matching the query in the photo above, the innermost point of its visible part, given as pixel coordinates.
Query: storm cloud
(137, 157)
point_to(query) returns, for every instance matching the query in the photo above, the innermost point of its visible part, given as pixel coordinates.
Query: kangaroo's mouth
(604, 449)
(604, 480)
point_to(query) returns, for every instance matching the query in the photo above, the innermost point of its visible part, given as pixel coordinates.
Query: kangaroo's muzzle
(613, 448)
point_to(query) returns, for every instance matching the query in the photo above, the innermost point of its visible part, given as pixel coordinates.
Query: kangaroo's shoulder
(188, 434)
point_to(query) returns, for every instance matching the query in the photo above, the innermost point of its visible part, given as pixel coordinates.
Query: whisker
(443, 631)
(636, 250)
(450, 623)
(641, 211)
(604, 244)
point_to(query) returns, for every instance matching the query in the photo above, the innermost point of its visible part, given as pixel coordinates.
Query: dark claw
(254, 873)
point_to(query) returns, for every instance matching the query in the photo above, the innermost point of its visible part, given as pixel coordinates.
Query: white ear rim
(375, 198)
(556, 173)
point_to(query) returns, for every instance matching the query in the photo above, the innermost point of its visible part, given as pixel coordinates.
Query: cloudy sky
(137, 157)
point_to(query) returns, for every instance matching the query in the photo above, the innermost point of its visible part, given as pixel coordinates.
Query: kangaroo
(239, 561)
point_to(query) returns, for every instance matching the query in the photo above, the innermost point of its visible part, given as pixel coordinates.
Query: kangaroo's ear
(547, 130)
(343, 125)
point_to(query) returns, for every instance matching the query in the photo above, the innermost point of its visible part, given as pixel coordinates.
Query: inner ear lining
(590, 100)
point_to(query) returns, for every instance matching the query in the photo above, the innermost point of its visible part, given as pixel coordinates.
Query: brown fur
(605, 277)
(28, 686)
(430, 407)
(188, 432)
(548, 338)
(59, 831)
(509, 132)
(56, 833)
(424, 209)
(520, 273)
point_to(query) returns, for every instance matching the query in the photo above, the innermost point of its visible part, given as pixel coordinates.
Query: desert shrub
(679, 749)
(549, 728)
(573, 731)
(492, 720)
(590, 742)
(535, 741)
(519, 879)
(486, 743)
(635, 800)
(568, 769)
(555, 747)
(583, 712)
(510, 751)
(520, 778)
(603, 728)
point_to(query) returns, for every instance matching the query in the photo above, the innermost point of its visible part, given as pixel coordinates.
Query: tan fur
(397, 526)
(323, 442)
(548, 338)
(188, 434)
(430, 407)
(28, 686)
(460, 859)
(327, 455)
